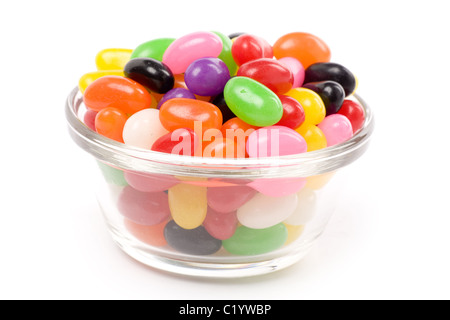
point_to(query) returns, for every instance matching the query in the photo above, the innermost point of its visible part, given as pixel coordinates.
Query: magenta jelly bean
(144, 208)
(278, 187)
(228, 199)
(297, 69)
(150, 182)
(275, 141)
(185, 50)
(176, 93)
(220, 225)
(336, 128)
(207, 76)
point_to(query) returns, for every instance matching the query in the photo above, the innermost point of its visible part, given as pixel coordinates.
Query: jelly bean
(304, 47)
(271, 73)
(151, 235)
(112, 175)
(331, 71)
(143, 128)
(253, 102)
(336, 128)
(226, 55)
(331, 92)
(293, 113)
(112, 59)
(89, 119)
(90, 77)
(314, 137)
(146, 208)
(185, 50)
(297, 69)
(275, 141)
(275, 187)
(354, 112)
(249, 47)
(176, 93)
(247, 241)
(235, 35)
(229, 199)
(188, 205)
(220, 225)
(235, 124)
(294, 232)
(150, 182)
(207, 76)
(305, 210)
(220, 102)
(109, 122)
(196, 241)
(151, 73)
(319, 181)
(312, 104)
(152, 49)
(181, 141)
(263, 211)
(222, 148)
(186, 113)
(119, 92)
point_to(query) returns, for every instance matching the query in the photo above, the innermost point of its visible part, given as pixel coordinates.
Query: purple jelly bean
(176, 93)
(207, 76)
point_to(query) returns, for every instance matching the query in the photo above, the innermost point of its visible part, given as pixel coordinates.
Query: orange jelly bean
(109, 122)
(192, 114)
(151, 235)
(117, 92)
(305, 47)
(222, 148)
(239, 131)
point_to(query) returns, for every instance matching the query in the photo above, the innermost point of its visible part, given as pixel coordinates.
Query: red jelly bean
(228, 199)
(181, 141)
(109, 122)
(248, 47)
(117, 92)
(188, 113)
(293, 113)
(271, 73)
(354, 112)
(89, 119)
(220, 225)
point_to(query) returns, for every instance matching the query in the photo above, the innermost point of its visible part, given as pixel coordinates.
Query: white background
(390, 239)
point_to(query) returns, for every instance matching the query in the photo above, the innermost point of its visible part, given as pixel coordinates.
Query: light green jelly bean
(152, 49)
(226, 55)
(112, 175)
(248, 242)
(253, 102)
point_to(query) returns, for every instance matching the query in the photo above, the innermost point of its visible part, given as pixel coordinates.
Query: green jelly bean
(112, 175)
(152, 49)
(253, 102)
(247, 242)
(226, 55)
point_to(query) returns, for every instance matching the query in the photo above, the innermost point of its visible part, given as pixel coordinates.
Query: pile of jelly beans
(231, 96)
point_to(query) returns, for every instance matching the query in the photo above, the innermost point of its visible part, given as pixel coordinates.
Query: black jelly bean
(219, 101)
(151, 73)
(235, 35)
(195, 241)
(331, 92)
(324, 71)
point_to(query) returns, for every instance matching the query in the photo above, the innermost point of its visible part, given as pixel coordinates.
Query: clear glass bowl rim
(150, 162)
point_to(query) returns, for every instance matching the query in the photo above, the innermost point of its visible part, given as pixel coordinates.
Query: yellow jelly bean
(314, 137)
(294, 232)
(112, 59)
(188, 205)
(90, 77)
(319, 181)
(311, 102)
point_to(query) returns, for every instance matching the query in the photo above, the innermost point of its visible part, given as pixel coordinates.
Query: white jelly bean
(143, 128)
(306, 208)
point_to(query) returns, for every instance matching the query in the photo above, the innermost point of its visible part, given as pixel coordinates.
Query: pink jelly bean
(150, 183)
(336, 128)
(185, 50)
(275, 141)
(220, 225)
(89, 119)
(228, 199)
(144, 208)
(278, 187)
(297, 70)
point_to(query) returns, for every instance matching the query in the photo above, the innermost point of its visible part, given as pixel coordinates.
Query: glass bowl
(213, 217)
